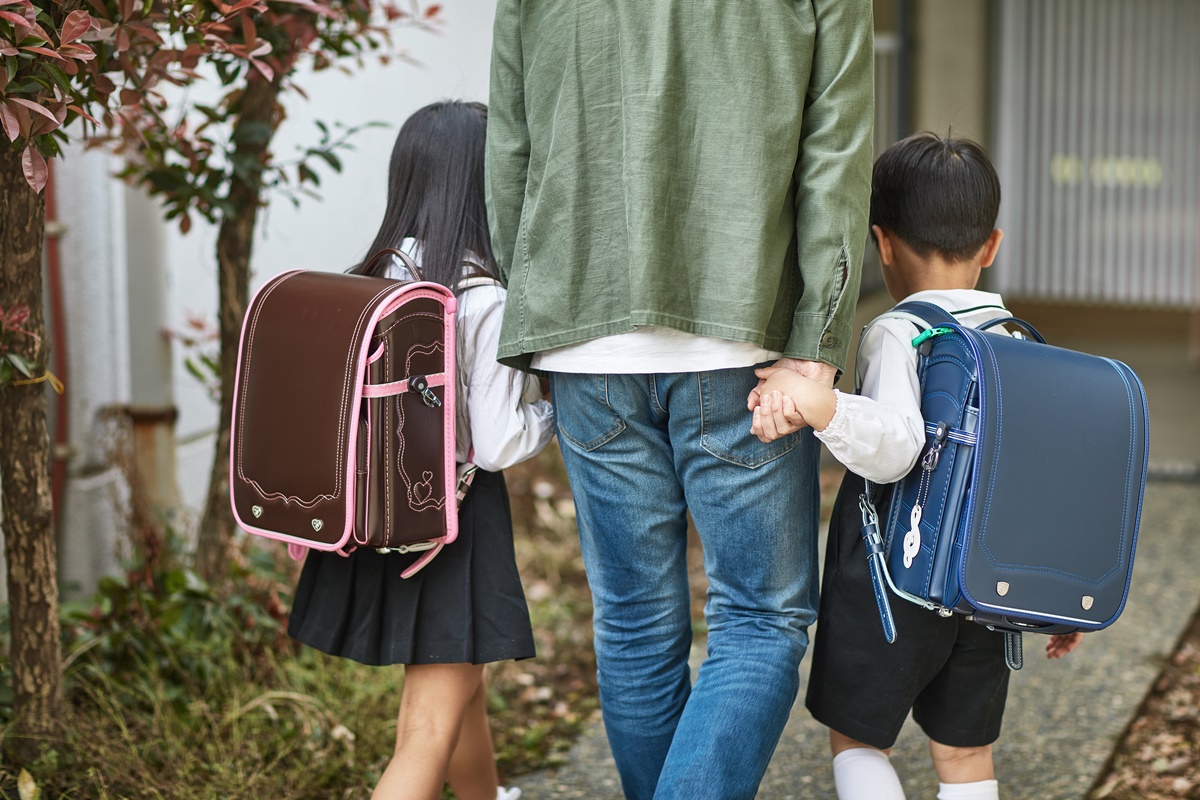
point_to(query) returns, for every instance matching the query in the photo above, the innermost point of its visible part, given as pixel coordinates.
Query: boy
(934, 203)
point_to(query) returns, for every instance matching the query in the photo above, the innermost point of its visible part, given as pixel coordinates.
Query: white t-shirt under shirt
(879, 433)
(650, 349)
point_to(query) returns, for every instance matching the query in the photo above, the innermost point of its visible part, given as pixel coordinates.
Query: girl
(467, 607)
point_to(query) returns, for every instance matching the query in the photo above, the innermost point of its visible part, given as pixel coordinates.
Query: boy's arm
(879, 433)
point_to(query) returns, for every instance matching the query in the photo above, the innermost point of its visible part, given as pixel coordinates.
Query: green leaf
(212, 114)
(49, 146)
(20, 364)
(169, 180)
(194, 371)
(308, 174)
(60, 78)
(6, 373)
(329, 158)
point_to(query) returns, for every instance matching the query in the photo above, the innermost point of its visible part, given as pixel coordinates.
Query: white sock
(864, 773)
(979, 790)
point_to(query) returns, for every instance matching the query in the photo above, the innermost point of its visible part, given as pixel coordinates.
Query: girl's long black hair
(435, 193)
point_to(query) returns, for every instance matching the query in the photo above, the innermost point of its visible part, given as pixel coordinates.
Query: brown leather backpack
(343, 428)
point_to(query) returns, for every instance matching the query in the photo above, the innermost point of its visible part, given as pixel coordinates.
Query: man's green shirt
(703, 165)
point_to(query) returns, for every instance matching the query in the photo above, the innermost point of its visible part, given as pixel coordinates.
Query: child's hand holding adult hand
(815, 370)
(776, 416)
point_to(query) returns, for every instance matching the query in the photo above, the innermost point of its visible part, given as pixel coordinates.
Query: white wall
(90, 203)
(331, 233)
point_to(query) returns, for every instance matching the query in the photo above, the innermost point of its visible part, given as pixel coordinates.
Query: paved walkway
(1063, 717)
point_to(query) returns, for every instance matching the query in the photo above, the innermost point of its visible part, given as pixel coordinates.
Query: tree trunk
(29, 544)
(235, 240)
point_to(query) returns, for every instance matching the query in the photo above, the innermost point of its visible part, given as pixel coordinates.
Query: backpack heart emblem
(256, 511)
(317, 525)
(422, 490)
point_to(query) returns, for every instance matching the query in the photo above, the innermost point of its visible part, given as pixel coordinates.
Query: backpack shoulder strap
(477, 280)
(921, 314)
(924, 315)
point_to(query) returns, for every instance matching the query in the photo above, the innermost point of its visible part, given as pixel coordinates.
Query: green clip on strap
(929, 334)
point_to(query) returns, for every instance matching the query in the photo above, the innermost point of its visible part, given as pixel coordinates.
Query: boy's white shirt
(501, 413)
(879, 433)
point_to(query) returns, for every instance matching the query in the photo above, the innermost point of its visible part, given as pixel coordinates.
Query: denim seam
(605, 438)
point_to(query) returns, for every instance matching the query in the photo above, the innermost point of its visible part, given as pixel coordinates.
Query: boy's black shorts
(950, 672)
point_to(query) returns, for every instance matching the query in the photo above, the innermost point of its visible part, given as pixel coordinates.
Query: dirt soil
(1159, 755)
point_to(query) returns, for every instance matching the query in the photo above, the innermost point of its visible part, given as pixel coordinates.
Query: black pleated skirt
(465, 606)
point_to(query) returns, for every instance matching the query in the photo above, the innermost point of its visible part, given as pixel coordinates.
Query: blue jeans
(641, 451)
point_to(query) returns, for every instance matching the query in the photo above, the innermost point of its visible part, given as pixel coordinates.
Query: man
(678, 192)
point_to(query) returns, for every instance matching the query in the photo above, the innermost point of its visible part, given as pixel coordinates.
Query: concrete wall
(951, 90)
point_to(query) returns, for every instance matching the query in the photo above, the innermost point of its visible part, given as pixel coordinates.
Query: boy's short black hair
(940, 196)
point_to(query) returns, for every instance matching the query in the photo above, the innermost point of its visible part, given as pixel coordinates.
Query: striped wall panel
(1097, 133)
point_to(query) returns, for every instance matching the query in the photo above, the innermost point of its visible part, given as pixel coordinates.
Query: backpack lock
(930, 461)
(421, 385)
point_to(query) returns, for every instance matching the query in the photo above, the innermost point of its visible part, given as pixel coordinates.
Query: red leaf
(130, 97)
(34, 30)
(101, 33)
(83, 114)
(80, 52)
(433, 11)
(75, 25)
(266, 71)
(41, 126)
(16, 316)
(45, 51)
(185, 223)
(7, 49)
(34, 107)
(249, 32)
(14, 2)
(104, 84)
(15, 19)
(147, 32)
(12, 128)
(34, 167)
(24, 120)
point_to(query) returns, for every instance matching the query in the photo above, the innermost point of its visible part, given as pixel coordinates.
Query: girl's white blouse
(502, 417)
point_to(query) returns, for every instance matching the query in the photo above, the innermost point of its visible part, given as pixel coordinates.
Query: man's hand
(816, 370)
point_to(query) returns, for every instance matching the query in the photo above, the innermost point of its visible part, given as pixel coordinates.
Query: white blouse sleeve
(879, 433)
(507, 426)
